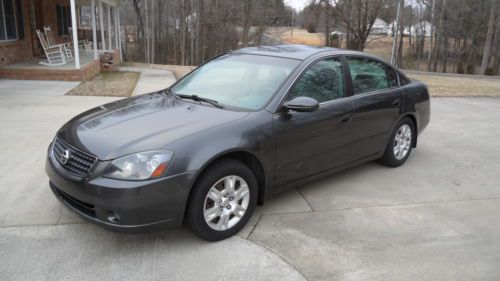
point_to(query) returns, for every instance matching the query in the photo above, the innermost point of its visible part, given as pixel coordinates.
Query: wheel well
(253, 163)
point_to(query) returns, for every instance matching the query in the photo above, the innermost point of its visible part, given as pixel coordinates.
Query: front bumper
(128, 206)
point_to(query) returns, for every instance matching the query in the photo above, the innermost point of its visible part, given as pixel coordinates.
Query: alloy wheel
(226, 202)
(402, 142)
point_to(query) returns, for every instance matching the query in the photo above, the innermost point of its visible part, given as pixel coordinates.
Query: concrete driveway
(435, 218)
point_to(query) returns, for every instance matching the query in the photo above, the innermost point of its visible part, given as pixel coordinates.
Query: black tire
(389, 158)
(195, 219)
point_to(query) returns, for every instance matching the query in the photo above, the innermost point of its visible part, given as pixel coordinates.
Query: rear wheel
(222, 200)
(400, 144)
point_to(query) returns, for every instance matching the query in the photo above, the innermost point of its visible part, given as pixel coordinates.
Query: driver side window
(323, 81)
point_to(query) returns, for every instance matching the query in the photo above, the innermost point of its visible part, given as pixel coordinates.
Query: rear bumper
(126, 206)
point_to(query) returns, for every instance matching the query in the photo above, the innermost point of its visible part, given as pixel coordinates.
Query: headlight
(140, 166)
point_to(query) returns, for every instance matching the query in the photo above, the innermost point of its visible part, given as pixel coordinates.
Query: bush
(489, 71)
(460, 68)
(311, 27)
(470, 69)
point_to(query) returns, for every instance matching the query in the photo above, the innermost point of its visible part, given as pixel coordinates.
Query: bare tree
(489, 39)
(357, 17)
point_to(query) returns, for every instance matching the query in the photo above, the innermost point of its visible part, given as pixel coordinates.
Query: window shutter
(9, 19)
(3, 36)
(68, 17)
(20, 20)
(59, 20)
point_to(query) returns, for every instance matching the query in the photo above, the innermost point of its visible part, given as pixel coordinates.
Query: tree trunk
(433, 22)
(401, 36)
(146, 35)
(182, 45)
(496, 50)
(489, 39)
(247, 10)
(327, 23)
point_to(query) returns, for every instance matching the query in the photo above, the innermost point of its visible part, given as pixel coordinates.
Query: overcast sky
(297, 4)
(300, 4)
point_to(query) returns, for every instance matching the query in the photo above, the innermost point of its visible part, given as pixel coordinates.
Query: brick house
(98, 25)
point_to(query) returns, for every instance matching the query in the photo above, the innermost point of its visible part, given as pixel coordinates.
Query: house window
(8, 27)
(63, 20)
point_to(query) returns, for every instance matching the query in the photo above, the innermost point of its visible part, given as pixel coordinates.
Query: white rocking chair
(55, 54)
(50, 40)
(82, 44)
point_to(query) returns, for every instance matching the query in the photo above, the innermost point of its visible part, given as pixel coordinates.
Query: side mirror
(302, 104)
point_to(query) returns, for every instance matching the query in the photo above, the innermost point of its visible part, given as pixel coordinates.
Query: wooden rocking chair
(55, 54)
(82, 44)
(50, 40)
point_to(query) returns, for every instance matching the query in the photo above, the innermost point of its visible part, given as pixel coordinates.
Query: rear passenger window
(370, 75)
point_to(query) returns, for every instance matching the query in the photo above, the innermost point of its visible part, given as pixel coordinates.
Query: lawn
(458, 86)
(111, 84)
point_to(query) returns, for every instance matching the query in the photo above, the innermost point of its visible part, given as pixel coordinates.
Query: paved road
(436, 218)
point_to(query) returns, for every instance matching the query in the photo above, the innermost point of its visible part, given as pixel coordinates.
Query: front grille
(72, 159)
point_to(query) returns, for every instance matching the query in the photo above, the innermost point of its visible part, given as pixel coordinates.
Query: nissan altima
(235, 131)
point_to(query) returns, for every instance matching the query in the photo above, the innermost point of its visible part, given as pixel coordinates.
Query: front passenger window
(323, 81)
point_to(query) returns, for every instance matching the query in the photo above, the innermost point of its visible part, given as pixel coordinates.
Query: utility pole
(291, 33)
(395, 27)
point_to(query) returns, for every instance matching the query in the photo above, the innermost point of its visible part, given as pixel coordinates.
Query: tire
(395, 157)
(224, 217)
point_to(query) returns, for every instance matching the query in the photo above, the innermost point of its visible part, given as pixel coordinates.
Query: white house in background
(380, 27)
(423, 28)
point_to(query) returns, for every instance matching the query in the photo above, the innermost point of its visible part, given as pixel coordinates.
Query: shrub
(311, 27)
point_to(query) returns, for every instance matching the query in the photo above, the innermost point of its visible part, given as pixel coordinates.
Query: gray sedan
(238, 129)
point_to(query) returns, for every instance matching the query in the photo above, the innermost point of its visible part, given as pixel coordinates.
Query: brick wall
(86, 72)
(20, 50)
(16, 51)
(50, 18)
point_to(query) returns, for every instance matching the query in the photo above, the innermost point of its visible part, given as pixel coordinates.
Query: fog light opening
(113, 217)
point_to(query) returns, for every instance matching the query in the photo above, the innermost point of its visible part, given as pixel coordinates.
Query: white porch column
(94, 31)
(101, 26)
(108, 11)
(119, 34)
(75, 34)
(117, 27)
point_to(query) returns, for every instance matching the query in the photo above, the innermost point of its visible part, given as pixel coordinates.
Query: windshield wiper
(197, 98)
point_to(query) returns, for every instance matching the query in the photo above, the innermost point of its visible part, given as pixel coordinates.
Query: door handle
(346, 117)
(396, 102)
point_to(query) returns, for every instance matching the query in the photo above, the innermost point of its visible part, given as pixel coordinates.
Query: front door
(310, 142)
(36, 14)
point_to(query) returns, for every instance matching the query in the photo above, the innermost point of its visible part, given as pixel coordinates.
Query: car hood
(141, 123)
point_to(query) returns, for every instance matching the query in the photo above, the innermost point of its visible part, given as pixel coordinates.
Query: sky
(300, 4)
(297, 4)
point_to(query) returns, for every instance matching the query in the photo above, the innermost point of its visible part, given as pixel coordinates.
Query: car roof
(300, 52)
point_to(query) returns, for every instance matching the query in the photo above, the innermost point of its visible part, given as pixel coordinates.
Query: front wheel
(222, 200)
(400, 144)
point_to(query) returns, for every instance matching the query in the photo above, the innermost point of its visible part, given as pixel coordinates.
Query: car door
(311, 142)
(377, 101)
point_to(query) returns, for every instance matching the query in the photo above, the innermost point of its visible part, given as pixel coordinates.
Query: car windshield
(238, 80)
